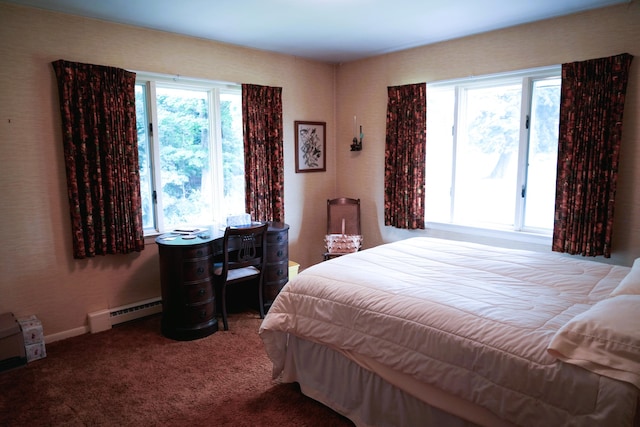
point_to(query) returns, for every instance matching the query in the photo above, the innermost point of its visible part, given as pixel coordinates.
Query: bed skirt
(365, 398)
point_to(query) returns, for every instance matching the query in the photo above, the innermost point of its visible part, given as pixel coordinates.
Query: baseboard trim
(66, 334)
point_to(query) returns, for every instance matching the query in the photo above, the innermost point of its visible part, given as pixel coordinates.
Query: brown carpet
(132, 375)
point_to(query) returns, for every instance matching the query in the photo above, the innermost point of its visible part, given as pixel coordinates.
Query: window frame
(214, 89)
(526, 78)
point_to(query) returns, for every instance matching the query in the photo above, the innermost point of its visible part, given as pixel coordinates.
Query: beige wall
(39, 276)
(362, 91)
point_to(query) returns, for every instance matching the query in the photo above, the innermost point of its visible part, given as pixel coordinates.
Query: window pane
(232, 153)
(543, 149)
(183, 131)
(144, 157)
(440, 107)
(487, 156)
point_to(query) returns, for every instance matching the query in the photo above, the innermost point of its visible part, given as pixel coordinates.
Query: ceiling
(333, 31)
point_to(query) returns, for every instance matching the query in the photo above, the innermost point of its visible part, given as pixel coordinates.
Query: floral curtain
(405, 156)
(591, 107)
(97, 104)
(263, 152)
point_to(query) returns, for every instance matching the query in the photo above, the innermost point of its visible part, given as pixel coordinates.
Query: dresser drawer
(277, 253)
(276, 238)
(276, 272)
(199, 313)
(198, 292)
(197, 252)
(271, 290)
(197, 270)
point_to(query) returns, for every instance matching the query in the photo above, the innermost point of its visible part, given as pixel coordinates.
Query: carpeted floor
(133, 376)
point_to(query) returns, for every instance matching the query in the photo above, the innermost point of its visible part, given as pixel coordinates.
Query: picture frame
(311, 146)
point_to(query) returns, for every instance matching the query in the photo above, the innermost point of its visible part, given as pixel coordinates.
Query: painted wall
(362, 91)
(38, 274)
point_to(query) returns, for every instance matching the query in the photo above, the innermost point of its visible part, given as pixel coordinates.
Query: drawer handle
(203, 314)
(199, 252)
(200, 270)
(201, 292)
(279, 238)
(280, 272)
(280, 252)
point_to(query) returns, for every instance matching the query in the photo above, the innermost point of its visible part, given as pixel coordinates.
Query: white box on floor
(35, 351)
(31, 330)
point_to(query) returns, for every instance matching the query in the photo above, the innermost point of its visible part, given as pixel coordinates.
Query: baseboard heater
(104, 319)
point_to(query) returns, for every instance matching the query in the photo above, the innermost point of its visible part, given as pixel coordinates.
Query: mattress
(471, 320)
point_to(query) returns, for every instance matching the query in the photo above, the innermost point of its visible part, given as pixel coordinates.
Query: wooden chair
(343, 218)
(244, 259)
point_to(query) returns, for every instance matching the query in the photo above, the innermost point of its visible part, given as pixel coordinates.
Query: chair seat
(239, 273)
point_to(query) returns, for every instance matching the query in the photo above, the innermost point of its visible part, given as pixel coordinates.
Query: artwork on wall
(310, 146)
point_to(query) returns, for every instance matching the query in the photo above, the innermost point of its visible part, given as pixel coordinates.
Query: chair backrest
(343, 216)
(244, 246)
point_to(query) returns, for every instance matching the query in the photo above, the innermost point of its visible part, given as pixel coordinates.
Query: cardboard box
(31, 330)
(12, 351)
(35, 351)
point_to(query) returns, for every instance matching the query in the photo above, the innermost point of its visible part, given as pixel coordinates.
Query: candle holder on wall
(356, 145)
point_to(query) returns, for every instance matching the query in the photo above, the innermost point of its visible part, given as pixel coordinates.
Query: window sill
(518, 237)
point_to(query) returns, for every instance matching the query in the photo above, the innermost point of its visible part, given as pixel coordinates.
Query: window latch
(523, 192)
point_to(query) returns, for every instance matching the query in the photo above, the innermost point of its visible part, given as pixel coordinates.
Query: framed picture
(310, 146)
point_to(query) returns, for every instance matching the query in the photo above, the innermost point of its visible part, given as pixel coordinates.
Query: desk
(186, 276)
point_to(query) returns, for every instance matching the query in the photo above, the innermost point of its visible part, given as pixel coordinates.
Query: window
(190, 152)
(491, 151)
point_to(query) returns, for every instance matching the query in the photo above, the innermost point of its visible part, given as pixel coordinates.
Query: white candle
(342, 225)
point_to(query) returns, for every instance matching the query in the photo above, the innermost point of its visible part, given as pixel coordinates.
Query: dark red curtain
(263, 152)
(405, 156)
(591, 107)
(97, 105)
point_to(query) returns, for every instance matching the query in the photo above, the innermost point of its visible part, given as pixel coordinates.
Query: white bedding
(472, 320)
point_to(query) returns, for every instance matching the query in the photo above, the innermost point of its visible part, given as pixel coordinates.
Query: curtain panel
(263, 152)
(97, 105)
(405, 150)
(591, 109)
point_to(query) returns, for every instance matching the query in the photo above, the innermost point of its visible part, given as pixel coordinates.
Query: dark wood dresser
(186, 275)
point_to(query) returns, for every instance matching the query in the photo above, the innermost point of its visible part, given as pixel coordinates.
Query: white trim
(516, 236)
(48, 339)
(183, 81)
(538, 72)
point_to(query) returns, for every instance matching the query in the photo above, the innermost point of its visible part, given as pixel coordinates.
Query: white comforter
(472, 320)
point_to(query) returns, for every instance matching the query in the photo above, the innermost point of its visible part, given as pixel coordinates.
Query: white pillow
(605, 339)
(630, 285)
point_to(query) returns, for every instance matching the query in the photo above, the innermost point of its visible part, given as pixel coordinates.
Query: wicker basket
(342, 243)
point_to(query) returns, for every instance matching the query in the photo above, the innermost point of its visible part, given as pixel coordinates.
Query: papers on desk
(189, 230)
(186, 234)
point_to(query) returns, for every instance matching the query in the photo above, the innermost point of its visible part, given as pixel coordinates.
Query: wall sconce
(356, 145)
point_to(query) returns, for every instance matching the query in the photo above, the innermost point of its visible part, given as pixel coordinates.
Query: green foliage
(232, 145)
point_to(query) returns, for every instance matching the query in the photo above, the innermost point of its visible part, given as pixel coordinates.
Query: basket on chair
(342, 243)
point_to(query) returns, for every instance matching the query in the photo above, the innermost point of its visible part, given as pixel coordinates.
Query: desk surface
(178, 239)
(208, 234)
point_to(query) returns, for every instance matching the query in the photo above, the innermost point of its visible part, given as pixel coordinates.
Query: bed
(428, 331)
